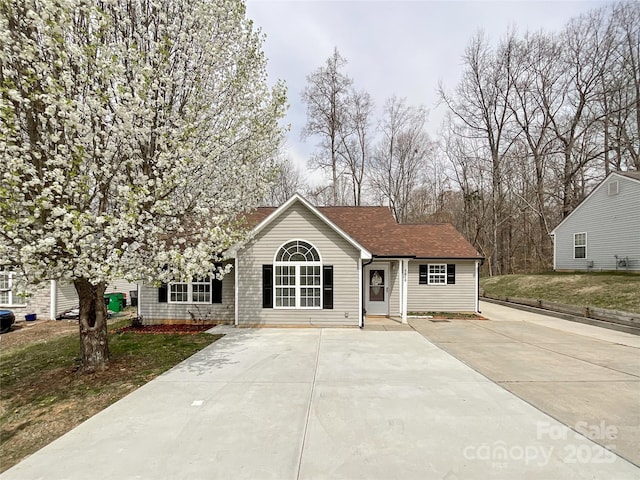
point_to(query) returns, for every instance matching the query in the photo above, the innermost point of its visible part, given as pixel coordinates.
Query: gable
(606, 202)
(296, 223)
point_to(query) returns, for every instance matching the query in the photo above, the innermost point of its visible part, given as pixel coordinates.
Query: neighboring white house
(603, 232)
(327, 266)
(47, 300)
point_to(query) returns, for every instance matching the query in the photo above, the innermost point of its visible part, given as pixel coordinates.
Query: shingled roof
(376, 230)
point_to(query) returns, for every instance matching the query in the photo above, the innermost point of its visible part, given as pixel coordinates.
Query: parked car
(7, 319)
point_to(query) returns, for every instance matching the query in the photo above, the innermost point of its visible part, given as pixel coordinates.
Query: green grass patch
(614, 291)
(42, 395)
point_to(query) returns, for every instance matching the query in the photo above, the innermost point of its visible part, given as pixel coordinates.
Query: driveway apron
(322, 404)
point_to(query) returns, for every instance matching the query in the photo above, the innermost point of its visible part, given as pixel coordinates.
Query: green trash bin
(115, 301)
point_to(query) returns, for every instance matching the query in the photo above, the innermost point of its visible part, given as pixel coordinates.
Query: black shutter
(216, 290)
(216, 286)
(162, 293)
(327, 287)
(267, 286)
(451, 274)
(422, 278)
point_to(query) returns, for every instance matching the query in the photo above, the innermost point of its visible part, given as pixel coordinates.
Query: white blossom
(131, 134)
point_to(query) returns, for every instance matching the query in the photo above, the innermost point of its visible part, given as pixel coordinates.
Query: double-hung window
(196, 291)
(298, 276)
(437, 274)
(580, 245)
(8, 296)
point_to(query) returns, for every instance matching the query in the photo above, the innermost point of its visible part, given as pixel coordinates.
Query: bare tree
(288, 181)
(479, 103)
(355, 141)
(587, 47)
(326, 96)
(398, 163)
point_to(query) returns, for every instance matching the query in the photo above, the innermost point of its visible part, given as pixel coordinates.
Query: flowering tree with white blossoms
(132, 135)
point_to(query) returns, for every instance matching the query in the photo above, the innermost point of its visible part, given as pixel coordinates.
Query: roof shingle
(376, 230)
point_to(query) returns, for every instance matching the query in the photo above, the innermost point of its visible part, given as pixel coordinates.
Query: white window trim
(189, 293)
(585, 246)
(297, 286)
(443, 275)
(12, 296)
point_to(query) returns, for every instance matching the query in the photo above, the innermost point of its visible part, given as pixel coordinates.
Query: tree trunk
(94, 346)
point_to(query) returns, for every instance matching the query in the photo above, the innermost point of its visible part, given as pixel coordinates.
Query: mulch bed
(180, 329)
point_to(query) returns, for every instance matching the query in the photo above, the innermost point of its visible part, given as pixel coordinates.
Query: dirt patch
(590, 289)
(23, 333)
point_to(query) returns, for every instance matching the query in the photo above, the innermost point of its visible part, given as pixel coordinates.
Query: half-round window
(297, 251)
(298, 276)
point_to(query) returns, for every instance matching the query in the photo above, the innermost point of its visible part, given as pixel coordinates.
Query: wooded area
(536, 120)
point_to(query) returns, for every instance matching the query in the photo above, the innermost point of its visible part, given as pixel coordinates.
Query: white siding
(460, 297)
(298, 223)
(154, 312)
(612, 225)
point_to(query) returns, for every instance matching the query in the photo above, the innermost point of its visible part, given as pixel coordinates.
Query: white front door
(376, 289)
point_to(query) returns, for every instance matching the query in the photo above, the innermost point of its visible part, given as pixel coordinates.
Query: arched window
(298, 276)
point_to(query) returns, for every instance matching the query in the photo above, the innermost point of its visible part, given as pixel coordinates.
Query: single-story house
(603, 232)
(47, 300)
(327, 266)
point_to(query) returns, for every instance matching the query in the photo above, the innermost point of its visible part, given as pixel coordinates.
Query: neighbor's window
(8, 296)
(196, 291)
(437, 274)
(579, 245)
(298, 276)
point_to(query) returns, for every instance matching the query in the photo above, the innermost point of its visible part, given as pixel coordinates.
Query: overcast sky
(392, 47)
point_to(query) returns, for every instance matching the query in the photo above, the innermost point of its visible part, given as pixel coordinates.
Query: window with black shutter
(267, 286)
(327, 287)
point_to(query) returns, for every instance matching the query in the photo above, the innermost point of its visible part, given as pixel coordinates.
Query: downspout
(478, 264)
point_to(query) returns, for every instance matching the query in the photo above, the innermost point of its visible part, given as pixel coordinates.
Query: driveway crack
(313, 387)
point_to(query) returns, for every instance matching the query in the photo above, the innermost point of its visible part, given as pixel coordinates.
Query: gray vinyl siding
(154, 312)
(460, 297)
(66, 297)
(298, 223)
(122, 286)
(612, 225)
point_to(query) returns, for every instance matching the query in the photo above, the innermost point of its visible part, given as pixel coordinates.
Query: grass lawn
(42, 396)
(615, 291)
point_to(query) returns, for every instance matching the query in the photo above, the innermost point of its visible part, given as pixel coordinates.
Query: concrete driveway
(322, 404)
(587, 377)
